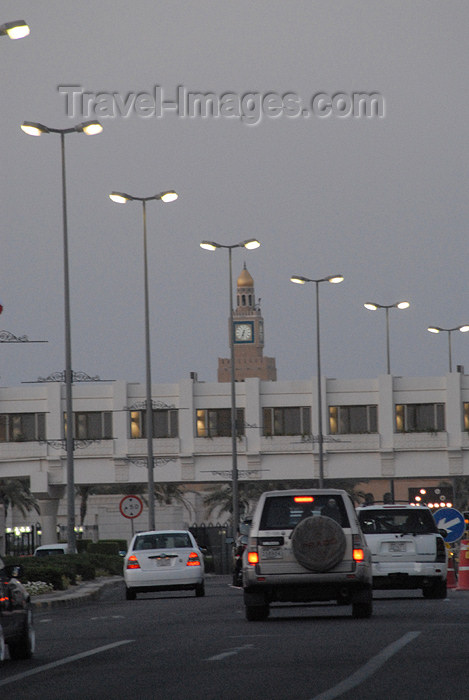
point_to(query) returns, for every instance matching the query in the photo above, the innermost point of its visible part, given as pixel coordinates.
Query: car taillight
(358, 555)
(253, 558)
(193, 559)
(440, 549)
(132, 562)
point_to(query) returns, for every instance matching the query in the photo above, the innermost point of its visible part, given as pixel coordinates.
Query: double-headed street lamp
(123, 198)
(334, 279)
(250, 244)
(436, 329)
(90, 128)
(14, 30)
(371, 306)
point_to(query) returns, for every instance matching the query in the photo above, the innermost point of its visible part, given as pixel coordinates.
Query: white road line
(229, 652)
(368, 669)
(62, 662)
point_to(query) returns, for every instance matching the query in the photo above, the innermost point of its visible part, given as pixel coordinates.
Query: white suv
(306, 545)
(408, 550)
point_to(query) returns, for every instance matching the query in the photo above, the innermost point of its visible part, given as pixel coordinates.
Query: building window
(165, 423)
(91, 425)
(22, 427)
(216, 422)
(466, 415)
(420, 417)
(294, 420)
(353, 419)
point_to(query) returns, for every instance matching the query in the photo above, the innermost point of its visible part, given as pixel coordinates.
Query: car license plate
(163, 562)
(397, 546)
(271, 553)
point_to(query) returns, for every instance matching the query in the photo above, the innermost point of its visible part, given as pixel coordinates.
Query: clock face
(243, 332)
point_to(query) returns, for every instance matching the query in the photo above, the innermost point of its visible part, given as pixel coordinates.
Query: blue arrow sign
(452, 521)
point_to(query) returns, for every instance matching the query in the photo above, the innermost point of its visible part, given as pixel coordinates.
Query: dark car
(16, 617)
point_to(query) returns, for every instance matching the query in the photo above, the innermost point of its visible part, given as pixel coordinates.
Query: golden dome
(245, 279)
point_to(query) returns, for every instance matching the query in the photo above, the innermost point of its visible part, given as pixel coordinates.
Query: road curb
(75, 595)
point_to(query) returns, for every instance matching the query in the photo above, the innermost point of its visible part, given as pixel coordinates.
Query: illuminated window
(22, 427)
(353, 419)
(291, 420)
(216, 422)
(420, 417)
(466, 415)
(165, 423)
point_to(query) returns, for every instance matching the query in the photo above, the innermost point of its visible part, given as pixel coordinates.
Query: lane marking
(230, 652)
(368, 669)
(63, 662)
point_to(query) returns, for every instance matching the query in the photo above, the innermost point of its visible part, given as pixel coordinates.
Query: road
(174, 646)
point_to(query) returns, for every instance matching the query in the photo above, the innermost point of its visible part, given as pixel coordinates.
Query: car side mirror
(443, 532)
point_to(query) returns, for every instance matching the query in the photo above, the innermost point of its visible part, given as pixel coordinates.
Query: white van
(46, 550)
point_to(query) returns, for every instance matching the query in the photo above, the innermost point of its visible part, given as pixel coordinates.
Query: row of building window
(210, 423)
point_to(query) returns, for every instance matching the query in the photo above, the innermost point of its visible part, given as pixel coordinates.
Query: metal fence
(219, 545)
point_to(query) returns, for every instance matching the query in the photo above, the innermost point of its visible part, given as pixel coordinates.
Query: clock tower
(248, 338)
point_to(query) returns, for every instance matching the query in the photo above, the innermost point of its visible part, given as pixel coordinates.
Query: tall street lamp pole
(334, 279)
(250, 244)
(436, 329)
(122, 198)
(371, 306)
(90, 128)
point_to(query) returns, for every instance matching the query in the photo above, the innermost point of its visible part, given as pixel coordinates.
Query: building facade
(387, 429)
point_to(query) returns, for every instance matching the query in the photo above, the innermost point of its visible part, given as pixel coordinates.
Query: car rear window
(397, 521)
(285, 512)
(164, 540)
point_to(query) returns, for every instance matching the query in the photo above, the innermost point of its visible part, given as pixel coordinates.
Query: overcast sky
(382, 200)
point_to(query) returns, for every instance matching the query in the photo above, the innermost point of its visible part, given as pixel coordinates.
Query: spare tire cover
(318, 543)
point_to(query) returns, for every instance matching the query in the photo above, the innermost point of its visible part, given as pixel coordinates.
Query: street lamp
(250, 244)
(123, 198)
(371, 306)
(334, 279)
(15, 30)
(436, 329)
(89, 128)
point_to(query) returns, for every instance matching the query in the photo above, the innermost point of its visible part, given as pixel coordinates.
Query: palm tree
(15, 493)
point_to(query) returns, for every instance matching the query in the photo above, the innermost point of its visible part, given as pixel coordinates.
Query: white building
(388, 428)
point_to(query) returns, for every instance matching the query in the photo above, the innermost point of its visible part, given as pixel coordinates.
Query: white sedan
(163, 560)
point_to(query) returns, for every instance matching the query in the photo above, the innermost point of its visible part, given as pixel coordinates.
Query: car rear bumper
(407, 574)
(146, 580)
(306, 587)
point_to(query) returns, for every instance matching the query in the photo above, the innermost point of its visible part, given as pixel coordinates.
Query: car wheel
(318, 543)
(2, 646)
(130, 594)
(257, 613)
(361, 610)
(23, 648)
(200, 590)
(435, 590)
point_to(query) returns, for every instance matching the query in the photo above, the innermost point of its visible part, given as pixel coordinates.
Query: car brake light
(440, 549)
(193, 559)
(358, 555)
(303, 499)
(253, 558)
(132, 562)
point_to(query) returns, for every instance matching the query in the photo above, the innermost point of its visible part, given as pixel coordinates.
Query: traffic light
(466, 518)
(432, 496)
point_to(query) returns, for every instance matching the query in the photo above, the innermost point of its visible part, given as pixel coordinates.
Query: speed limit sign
(131, 506)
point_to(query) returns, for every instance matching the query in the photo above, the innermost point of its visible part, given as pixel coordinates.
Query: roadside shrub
(107, 547)
(67, 569)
